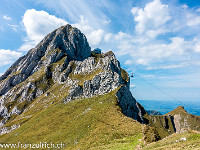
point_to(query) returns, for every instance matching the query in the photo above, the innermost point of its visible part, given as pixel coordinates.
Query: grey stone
(76, 91)
(128, 104)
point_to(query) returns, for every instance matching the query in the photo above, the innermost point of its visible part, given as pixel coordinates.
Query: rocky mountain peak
(69, 40)
(184, 120)
(178, 110)
(65, 41)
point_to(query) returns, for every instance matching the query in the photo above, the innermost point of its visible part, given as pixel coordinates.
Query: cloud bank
(7, 56)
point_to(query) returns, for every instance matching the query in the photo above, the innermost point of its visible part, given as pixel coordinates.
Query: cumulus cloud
(143, 48)
(8, 56)
(7, 18)
(152, 17)
(147, 49)
(94, 36)
(37, 24)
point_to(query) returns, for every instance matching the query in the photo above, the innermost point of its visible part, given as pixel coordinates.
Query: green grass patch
(84, 123)
(124, 75)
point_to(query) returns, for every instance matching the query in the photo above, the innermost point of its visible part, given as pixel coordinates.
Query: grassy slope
(163, 125)
(174, 142)
(95, 123)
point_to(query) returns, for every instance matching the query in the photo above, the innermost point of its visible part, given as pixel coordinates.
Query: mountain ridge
(63, 58)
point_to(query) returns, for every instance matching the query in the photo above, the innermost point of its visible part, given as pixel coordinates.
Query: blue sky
(156, 40)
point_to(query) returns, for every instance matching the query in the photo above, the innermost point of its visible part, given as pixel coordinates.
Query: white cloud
(108, 37)
(27, 46)
(152, 51)
(94, 36)
(154, 33)
(149, 50)
(73, 9)
(189, 79)
(121, 35)
(153, 16)
(197, 47)
(166, 67)
(8, 56)
(144, 48)
(193, 20)
(185, 6)
(7, 18)
(14, 27)
(135, 10)
(174, 66)
(143, 61)
(38, 24)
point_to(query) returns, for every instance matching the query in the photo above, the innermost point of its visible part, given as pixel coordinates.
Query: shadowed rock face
(64, 41)
(129, 105)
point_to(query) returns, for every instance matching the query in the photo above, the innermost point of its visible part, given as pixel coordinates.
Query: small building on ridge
(97, 51)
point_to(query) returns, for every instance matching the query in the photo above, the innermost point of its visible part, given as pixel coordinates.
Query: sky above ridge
(156, 40)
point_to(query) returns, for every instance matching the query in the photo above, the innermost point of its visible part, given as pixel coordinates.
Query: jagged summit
(178, 110)
(64, 41)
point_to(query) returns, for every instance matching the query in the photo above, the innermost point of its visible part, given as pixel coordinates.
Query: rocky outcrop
(153, 112)
(76, 91)
(5, 130)
(102, 83)
(105, 73)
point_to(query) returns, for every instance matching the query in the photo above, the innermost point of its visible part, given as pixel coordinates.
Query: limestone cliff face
(63, 59)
